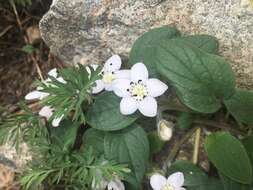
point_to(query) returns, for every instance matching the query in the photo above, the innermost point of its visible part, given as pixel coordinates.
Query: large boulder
(92, 30)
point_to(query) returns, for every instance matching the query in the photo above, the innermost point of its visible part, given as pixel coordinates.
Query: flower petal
(36, 95)
(56, 121)
(139, 72)
(53, 73)
(113, 63)
(60, 79)
(99, 186)
(157, 181)
(156, 87)
(123, 74)
(46, 112)
(121, 86)
(128, 106)
(148, 107)
(108, 87)
(99, 87)
(176, 179)
(116, 185)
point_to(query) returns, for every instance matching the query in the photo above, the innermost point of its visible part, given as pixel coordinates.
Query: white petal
(93, 66)
(165, 129)
(56, 121)
(156, 87)
(157, 181)
(123, 74)
(36, 95)
(139, 72)
(128, 106)
(116, 185)
(99, 186)
(121, 87)
(46, 112)
(60, 79)
(53, 73)
(176, 179)
(108, 87)
(148, 107)
(99, 87)
(113, 63)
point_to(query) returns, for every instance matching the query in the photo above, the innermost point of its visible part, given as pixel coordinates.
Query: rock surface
(92, 30)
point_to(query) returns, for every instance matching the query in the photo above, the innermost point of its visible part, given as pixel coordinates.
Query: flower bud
(165, 130)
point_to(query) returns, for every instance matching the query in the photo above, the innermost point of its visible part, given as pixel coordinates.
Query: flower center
(168, 187)
(138, 90)
(108, 77)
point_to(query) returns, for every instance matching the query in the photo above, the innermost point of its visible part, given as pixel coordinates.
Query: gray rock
(92, 30)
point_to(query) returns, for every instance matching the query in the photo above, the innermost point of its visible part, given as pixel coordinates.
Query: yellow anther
(108, 78)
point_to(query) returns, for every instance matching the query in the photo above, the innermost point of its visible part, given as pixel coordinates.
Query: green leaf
(240, 105)
(129, 146)
(155, 142)
(201, 80)
(229, 184)
(105, 114)
(65, 134)
(185, 120)
(248, 144)
(229, 156)
(195, 178)
(29, 49)
(207, 43)
(144, 47)
(95, 139)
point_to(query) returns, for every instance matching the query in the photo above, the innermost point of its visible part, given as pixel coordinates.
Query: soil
(17, 68)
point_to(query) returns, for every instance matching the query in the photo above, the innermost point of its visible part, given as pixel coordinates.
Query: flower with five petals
(139, 91)
(110, 72)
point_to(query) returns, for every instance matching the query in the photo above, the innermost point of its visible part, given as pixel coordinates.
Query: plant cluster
(99, 127)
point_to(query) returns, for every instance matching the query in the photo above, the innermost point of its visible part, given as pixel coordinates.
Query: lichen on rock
(93, 30)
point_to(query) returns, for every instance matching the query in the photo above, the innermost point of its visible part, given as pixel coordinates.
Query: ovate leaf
(95, 139)
(129, 146)
(201, 80)
(229, 184)
(195, 178)
(105, 114)
(144, 47)
(229, 156)
(240, 105)
(206, 43)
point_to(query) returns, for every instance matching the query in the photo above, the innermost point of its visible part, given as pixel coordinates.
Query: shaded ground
(18, 69)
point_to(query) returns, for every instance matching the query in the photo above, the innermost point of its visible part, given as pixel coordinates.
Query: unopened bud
(165, 129)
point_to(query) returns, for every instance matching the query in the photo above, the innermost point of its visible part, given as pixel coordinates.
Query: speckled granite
(94, 29)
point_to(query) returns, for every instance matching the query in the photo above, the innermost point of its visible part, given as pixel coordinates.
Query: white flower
(174, 182)
(139, 92)
(164, 129)
(46, 111)
(37, 94)
(110, 72)
(115, 184)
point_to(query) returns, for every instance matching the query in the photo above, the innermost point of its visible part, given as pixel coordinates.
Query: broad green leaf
(105, 114)
(155, 142)
(229, 156)
(195, 178)
(129, 146)
(185, 120)
(94, 138)
(248, 144)
(229, 184)
(65, 134)
(144, 47)
(240, 105)
(207, 43)
(201, 80)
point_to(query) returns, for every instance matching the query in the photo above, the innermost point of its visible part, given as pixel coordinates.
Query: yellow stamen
(108, 78)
